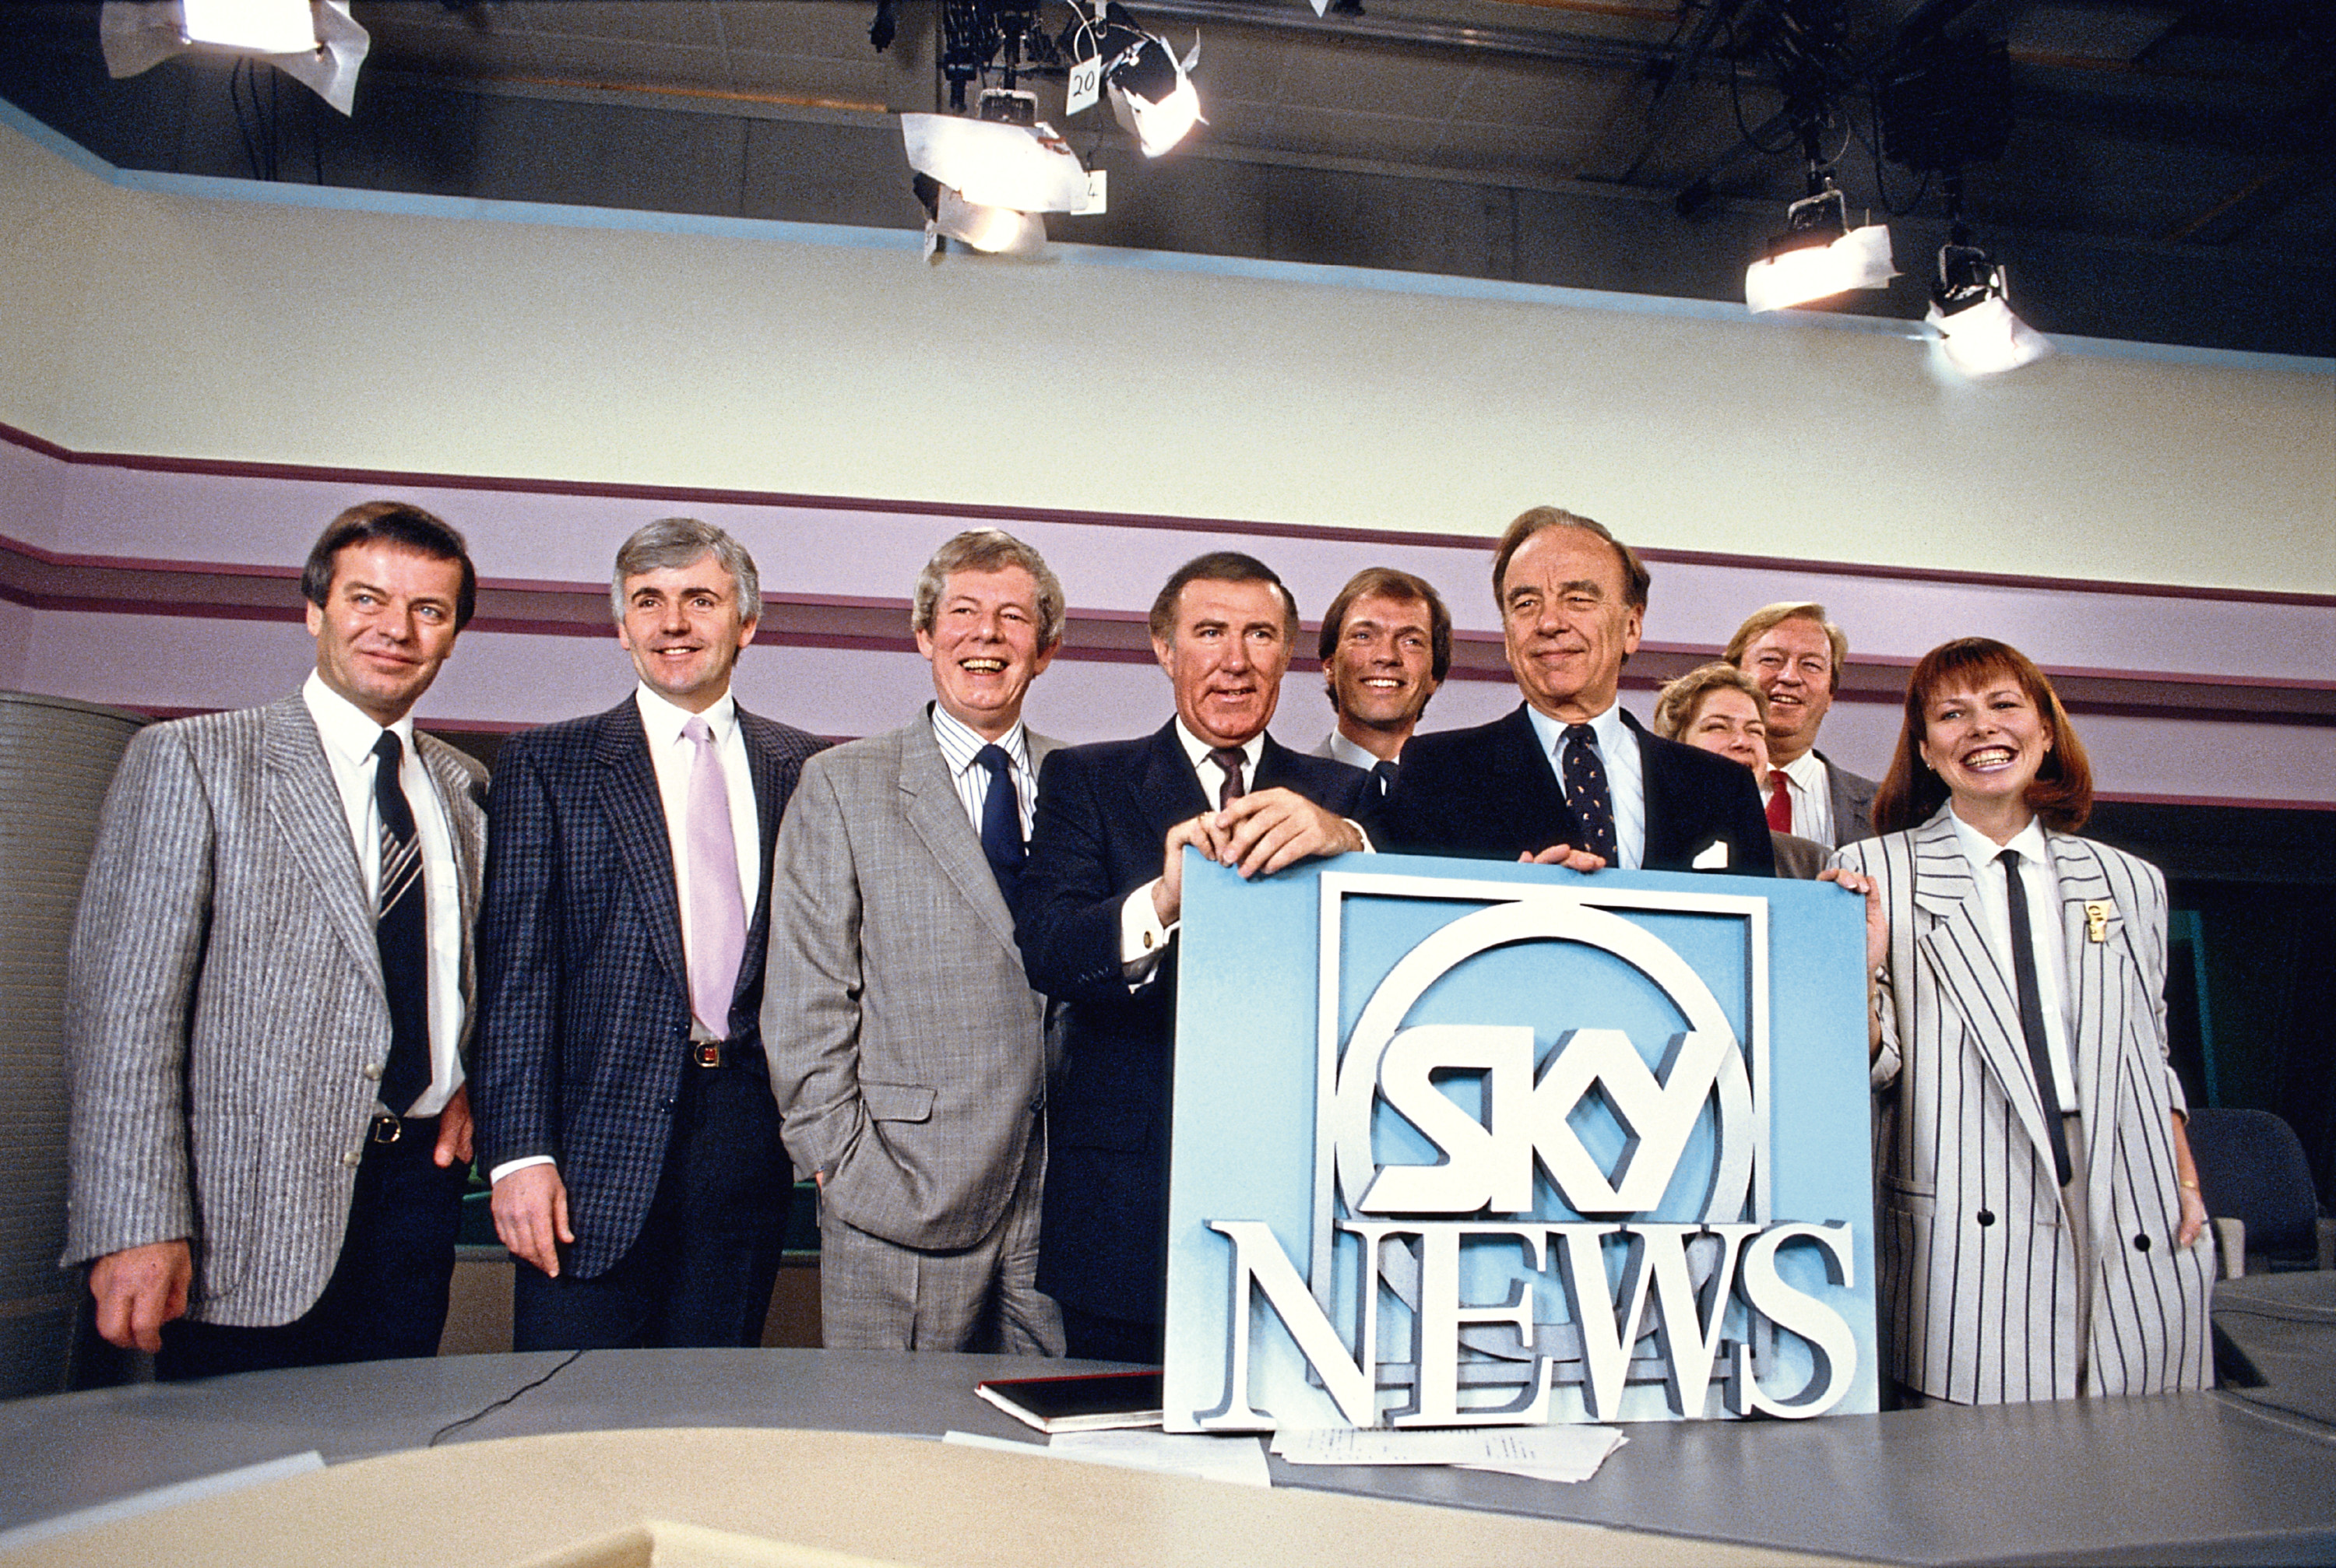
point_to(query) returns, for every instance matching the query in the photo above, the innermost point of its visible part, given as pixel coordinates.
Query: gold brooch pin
(2096, 920)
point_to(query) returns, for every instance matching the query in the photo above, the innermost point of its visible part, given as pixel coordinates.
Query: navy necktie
(1001, 822)
(401, 930)
(1383, 773)
(1586, 793)
(2031, 1009)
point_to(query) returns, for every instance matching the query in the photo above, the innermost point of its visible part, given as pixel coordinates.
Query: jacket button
(1986, 1216)
(666, 1104)
(354, 1158)
(372, 1072)
(2141, 1243)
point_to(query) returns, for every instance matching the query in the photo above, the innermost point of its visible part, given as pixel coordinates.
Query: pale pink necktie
(718, 915)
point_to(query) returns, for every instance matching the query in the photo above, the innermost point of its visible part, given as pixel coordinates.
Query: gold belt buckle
(386, 1128)
(706, 1053)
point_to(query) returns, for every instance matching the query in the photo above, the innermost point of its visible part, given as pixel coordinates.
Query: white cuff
(1142, 940)
(508, 1166)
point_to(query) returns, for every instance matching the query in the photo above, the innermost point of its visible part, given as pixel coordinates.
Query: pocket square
(1713, 858)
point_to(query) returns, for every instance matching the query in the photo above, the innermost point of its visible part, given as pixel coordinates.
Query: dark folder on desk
(1094, 1402)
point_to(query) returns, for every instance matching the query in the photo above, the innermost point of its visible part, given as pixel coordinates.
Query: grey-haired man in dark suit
(1101, 903)
(625, 1112)
(268, 997)
(1571, 777)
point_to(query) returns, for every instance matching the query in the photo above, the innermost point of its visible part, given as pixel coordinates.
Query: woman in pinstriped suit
(2017, 1265)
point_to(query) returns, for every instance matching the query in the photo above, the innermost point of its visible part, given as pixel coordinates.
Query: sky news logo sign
(1466, 1144)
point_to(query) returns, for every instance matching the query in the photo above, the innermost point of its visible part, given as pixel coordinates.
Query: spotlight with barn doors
(316, 42)
(1819, 254)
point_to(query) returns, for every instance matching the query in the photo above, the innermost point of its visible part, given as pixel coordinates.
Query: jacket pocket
(896, 1102)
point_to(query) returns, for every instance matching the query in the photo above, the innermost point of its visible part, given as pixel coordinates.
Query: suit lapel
(2095, 998)
(306, 805)
(1972, 981)
(1538, 813)
(636, 815)
(1168, 791)
(467, 830)
(1662, 843)
(764, 768)
(937, 818)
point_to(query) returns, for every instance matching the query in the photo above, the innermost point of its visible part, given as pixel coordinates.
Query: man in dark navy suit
(1101, 898)
(1570, 778)
(624, 1102)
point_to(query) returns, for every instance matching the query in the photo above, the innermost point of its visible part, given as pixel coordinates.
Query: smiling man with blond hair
(907, 1049)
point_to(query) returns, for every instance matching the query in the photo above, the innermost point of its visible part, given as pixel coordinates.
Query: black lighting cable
(524, 1389)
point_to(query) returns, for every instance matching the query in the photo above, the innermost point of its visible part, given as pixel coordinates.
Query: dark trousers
(700, 1272)
(387, 1297)
(1092, 1337)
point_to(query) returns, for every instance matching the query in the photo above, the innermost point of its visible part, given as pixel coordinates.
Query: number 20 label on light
(1085, 86)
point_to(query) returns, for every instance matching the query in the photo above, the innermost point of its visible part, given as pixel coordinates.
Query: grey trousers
(878, 1295)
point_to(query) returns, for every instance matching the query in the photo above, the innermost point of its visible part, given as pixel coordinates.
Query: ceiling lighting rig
(1939, 104)
(987, 178)
(1818, 255)
(1948, 104)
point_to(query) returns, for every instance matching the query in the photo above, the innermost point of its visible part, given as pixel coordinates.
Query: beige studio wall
(718, 355)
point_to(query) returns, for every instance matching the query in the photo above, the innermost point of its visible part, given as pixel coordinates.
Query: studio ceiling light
(990, 177)
(316, 42)
(1973, 316)
(1151, 89)
(1819, 256)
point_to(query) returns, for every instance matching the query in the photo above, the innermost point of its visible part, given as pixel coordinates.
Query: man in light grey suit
(1795, 654)
(268, 995)
(907, 1049)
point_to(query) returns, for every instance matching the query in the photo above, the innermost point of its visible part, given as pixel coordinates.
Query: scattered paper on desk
(1240, 1460)
(1563, 1452)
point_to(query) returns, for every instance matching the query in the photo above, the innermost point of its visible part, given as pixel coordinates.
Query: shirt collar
(1612, 731)
(1980, 850)
(960, 743)
(347, 729)
(1806, 770)
(1198, 750)
(1347, 751)
(664, 719)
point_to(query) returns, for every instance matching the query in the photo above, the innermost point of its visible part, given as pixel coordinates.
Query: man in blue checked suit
(624, 1107)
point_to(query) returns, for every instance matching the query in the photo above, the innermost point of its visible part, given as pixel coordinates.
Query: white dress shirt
(1809, 787)
(960, 746)
(1617, 749)
(670, 753)
(349, 736)
(2043, 889)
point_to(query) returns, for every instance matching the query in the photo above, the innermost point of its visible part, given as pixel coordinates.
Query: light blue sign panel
(1459, 1142)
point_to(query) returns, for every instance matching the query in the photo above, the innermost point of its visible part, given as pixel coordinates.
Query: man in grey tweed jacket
(247, 1197)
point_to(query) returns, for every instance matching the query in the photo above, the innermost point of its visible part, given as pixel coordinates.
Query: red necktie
(1780, 803)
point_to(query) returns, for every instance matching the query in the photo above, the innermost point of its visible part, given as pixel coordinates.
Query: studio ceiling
(2166, 177)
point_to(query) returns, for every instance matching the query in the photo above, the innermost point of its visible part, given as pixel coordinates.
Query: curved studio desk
(2225, 1475)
